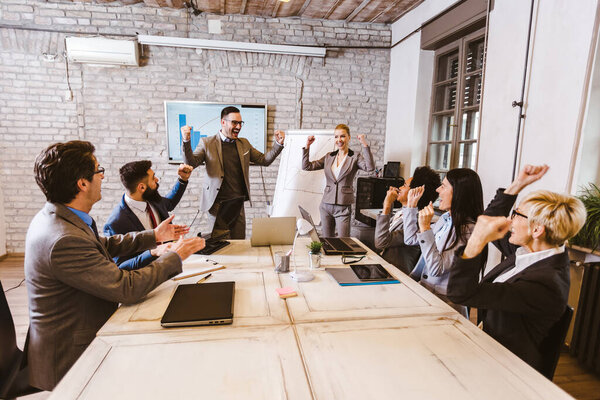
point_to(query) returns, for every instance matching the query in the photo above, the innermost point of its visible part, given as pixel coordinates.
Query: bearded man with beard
(227, 158)
(142, 208)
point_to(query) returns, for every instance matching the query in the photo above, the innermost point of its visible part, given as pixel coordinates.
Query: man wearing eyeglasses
(227, 158)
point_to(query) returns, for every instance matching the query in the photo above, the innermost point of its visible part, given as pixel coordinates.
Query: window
(455, 104)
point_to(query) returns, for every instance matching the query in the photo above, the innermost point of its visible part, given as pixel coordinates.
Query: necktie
(95, 229)
(151, 215)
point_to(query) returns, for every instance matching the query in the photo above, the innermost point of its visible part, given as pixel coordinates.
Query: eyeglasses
(100, 170)
(235, 123)
(515, 212)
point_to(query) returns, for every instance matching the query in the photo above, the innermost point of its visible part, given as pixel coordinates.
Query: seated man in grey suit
(389, 231)
(227, 158)
(73, 284)
(142, 207)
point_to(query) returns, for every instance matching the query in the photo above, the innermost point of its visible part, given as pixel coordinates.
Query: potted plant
(315, 254)
(589, 236)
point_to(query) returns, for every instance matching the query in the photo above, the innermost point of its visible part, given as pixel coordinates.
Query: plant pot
(315, 260)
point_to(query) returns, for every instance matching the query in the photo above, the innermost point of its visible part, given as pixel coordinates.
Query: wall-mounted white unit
(100, 50)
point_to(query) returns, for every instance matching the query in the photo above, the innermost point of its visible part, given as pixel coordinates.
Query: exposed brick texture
(120, 109)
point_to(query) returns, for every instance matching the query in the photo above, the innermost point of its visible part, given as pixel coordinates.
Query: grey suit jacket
(394, 250)
(209, 152)
(74, 286)
(340, 191)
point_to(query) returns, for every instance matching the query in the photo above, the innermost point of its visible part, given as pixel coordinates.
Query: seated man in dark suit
(521, 298)
(142, 207)
(73, 284)
(389, 230)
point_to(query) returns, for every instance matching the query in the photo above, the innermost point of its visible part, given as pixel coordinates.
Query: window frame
(459, 108)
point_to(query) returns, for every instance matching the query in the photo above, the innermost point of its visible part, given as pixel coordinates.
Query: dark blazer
(209, 152)
(517, 313)
(74, 286)
(340, 191)
(123, 220)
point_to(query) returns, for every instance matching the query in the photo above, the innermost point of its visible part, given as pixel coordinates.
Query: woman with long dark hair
(461, 196)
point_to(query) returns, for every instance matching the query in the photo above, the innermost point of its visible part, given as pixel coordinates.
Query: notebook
(333, 246)
(200, 304)
(274, 230)
(364, 274)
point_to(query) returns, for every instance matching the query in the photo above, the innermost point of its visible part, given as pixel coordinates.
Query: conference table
(328, 342)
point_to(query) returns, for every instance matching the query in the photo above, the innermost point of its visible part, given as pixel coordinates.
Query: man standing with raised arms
(227, 158)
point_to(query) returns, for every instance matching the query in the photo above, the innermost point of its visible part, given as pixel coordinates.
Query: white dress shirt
(139, 209)
(335, 169)
(524, 260)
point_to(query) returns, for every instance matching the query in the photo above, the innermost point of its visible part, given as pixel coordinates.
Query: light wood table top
(330, 342)
(415, 358)
(219, 363)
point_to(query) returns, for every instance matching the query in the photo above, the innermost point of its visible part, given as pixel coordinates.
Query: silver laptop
(333, 246)
(275, 230)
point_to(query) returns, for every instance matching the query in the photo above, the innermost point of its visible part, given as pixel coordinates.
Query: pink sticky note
(285, 290)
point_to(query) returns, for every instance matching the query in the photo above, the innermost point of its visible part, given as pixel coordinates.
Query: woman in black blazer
(521, 298)
(340, 169)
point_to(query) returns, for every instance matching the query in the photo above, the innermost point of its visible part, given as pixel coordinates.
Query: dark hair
(467, 201)
(229, 110)
(58, 168)
(133, 173)
(431, 179)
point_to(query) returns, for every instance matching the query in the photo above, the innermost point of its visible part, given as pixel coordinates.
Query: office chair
(14, 380)
(553, 343)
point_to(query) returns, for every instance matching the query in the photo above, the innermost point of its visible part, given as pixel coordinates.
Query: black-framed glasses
(235, 123)
(515, 212)
(100, 170)
(350, 259)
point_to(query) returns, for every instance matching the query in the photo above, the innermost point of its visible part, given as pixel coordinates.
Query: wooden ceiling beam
(391, 6)
(332, 9)
(275, 8)
(357, 10)
(304, 6)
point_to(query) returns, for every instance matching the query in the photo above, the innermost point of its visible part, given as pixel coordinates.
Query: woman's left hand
(425, 216)
(363, 140)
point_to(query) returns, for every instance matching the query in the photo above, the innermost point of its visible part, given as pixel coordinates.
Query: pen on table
(203, 279)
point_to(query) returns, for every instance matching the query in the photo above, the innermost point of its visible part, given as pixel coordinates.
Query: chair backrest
(553, 343)
(10, 355)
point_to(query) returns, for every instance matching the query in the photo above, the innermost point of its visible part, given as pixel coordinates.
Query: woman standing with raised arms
(340, 169)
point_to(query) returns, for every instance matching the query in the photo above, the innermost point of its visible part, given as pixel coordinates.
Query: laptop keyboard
(338, 244)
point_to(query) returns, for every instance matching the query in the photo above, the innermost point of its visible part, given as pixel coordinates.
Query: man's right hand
(390, 197)
(186, 133)
(309, 141)
(186, 247)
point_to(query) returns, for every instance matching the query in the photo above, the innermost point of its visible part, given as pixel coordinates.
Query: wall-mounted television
(205, 120)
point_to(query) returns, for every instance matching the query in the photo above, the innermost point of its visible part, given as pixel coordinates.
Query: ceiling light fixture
(208, 44)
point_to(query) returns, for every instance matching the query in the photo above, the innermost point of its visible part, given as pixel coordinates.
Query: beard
(151, 194)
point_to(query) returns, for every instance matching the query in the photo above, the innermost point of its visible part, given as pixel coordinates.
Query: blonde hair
(344, 127)
(561, 215)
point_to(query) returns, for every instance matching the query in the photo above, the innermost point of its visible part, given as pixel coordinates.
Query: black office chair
(552, 344)
(14, 381)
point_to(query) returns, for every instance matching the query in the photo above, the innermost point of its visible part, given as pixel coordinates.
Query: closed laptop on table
(200, 304)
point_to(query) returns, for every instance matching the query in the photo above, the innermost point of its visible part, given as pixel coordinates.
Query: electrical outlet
(68, 95)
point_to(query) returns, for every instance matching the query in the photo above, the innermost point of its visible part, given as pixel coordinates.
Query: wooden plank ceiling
(381, 11)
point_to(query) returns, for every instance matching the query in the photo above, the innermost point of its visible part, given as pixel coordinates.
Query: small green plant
(315, 247)
(589, 235)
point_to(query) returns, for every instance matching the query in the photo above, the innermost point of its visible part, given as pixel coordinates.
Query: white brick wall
(120, 109)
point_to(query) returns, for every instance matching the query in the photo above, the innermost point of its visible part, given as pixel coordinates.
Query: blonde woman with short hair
(521, 298)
